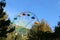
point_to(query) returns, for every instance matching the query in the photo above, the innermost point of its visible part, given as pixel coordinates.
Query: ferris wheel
(25, 19)
(23, 22)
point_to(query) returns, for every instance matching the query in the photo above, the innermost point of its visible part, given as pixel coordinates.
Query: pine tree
(39, 32)
(57, 30)
(4, 22)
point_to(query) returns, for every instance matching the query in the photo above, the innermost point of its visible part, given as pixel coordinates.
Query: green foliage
(41, 32)
(40, 35)
(57, 30)
(4, 24)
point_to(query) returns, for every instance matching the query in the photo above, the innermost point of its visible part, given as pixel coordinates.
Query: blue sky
(44, 9)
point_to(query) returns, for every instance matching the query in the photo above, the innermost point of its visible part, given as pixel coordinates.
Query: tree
(57, 30)
(4, 22)
(40, 31)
